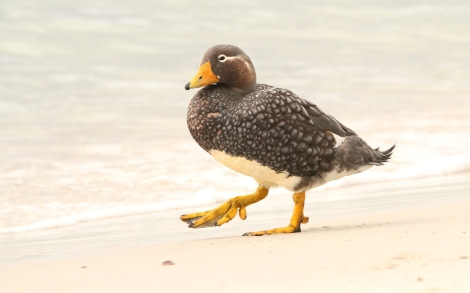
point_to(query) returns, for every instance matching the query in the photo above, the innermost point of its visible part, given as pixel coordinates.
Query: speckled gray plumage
(272, 126)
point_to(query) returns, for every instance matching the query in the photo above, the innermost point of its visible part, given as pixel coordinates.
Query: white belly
(262, 174)
(269, 178)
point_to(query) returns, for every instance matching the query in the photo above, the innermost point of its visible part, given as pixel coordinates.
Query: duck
(270, 134)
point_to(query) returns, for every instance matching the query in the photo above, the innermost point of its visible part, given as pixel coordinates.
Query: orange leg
(296, 220)
(226, 211)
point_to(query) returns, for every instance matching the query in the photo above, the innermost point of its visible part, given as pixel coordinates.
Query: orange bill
(203, 77)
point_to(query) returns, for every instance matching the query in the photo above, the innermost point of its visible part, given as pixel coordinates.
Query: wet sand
(420, 249)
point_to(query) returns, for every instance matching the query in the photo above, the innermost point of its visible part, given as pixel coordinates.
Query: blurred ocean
(93, 106)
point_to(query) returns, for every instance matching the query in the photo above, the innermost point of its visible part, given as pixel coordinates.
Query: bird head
(225, 65)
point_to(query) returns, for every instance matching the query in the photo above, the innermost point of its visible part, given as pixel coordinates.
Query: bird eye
(222, 58)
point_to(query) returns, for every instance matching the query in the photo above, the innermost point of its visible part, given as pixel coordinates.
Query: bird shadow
(357, 226)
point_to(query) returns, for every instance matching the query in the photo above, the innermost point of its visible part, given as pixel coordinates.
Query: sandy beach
(423, 249)
(97, 163)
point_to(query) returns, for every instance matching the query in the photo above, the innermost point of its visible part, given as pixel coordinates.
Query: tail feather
(354, 154)
(381, 157)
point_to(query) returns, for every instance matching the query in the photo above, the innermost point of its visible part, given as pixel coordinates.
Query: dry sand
(424, 249)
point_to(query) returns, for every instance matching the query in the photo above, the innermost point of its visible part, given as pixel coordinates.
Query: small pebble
(168, 263)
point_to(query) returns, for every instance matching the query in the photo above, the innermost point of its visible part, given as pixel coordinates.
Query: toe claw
(249, 234)
(242, 213)
(305, 220)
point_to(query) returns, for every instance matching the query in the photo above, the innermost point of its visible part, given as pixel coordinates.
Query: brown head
(227, 65)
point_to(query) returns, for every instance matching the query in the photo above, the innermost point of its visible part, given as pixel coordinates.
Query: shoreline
(165, 227)
(422, 249)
